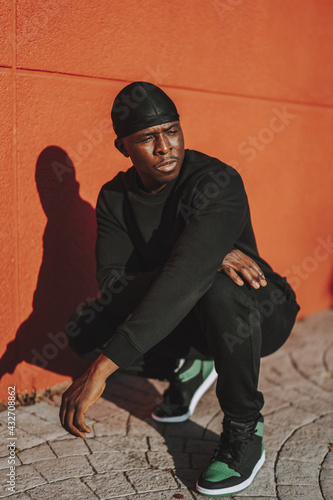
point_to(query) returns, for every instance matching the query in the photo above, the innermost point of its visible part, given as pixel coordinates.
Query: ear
(119, 143)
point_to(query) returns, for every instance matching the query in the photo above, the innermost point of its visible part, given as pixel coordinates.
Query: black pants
(233, 325)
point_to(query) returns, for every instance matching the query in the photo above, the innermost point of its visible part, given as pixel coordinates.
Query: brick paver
(131, 457)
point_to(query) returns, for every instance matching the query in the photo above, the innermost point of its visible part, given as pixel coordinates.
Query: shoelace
(234, 439)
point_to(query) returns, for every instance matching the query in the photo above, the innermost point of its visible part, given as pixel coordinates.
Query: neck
(147, 186)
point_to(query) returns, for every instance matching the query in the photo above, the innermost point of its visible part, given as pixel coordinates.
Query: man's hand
(83, 393)
(237, 262)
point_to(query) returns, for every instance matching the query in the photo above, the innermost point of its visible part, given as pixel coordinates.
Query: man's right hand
(236, 264)
(82, 394)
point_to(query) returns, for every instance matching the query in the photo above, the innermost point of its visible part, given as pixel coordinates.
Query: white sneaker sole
(195, 400)
(233, 489)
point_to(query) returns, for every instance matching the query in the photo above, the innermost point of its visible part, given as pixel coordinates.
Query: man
(164, 227)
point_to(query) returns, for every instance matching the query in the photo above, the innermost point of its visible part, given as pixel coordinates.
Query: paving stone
(63, 490)
(64, 468)
(187, 477)
(329, 357)
(19, 496)
(207, 408)
(310, 365)
(326, 482)
(298, 430)
(43, 410)
(187, 429)
(4, 462)
(116, 425)
(151, 480)
(3, 419)
(263, 484)
(281, 370)
(299, 492)
(163, 460)
(147, 427)
(159, 385)
(317, 434)
(256, 497)
(110, 485)
(26, 477)
(317, 403)
(299, 395)
(130, 392)
(40, 452)
(3, 443)
(273, 404)
(158, 443)
(26, 440)
(294, 472)
(328, 462)
(199, 446)
(97, 445)
(103, 408)
(69, 447)
(200, 460)
(104, 462)
(299, 449)
(119, 443)
(214, 428)
(37, 426)
(198, 496)
(270, 457)
(281, 424)
(164, 495)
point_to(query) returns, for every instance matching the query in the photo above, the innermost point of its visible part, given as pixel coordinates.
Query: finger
(229, 271)
(79, 420)
(263, 281)
(69, 425)
(63, 409)
(250, 263)
(257, 273)
(248, 276)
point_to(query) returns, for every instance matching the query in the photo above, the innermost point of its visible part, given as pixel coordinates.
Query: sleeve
(121, 283)
(217, 219)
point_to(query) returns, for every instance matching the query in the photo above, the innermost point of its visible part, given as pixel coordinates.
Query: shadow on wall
(67, 273)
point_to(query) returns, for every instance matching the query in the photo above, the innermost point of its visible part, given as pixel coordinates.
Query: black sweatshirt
(158, 253)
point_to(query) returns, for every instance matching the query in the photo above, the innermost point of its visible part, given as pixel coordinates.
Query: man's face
(157, 154)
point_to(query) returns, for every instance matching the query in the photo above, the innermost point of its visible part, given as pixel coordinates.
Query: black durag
(140, 105)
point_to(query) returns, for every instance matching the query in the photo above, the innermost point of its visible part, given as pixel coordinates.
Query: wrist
(103, 367)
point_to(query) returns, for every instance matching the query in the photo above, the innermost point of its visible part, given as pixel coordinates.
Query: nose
(162, 145)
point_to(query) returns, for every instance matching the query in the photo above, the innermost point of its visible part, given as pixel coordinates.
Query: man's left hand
(237, 263)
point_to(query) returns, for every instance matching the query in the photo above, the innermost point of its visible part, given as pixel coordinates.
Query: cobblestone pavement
(129, 456)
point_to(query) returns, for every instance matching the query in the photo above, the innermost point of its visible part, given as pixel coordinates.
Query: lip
(167, 166)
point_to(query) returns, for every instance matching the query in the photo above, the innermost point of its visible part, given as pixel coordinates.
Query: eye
(146, 139)
(172, 131)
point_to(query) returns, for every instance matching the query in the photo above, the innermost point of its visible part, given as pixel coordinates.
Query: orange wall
(253, 85)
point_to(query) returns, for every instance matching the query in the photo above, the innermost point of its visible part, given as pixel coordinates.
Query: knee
(225, 294)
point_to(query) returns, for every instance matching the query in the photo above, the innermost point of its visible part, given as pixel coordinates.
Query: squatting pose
(174, 241)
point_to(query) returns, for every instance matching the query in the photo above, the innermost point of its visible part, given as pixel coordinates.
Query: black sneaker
(189, 384)
(237, 459)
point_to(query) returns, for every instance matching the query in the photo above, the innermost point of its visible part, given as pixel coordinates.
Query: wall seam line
(46, 73)
(15, 165)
